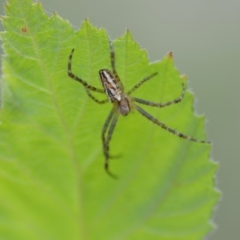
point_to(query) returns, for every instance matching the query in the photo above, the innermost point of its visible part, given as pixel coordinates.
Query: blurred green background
(205, 39)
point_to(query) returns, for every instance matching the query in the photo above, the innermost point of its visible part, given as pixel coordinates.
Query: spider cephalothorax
(122, 102)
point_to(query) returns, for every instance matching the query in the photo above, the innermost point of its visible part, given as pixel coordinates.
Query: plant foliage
(52, 181)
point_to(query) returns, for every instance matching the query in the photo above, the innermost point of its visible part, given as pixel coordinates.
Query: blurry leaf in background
(52, 184)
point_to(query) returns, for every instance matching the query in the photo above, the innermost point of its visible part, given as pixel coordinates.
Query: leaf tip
(38, 4)
(170, 55)
(184, 78)
(128, 34)
(6, 5)
(86, 21)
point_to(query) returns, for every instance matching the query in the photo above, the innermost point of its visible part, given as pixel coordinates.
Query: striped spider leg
(122, 103)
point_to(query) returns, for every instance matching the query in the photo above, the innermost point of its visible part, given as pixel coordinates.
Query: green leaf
(52, 181)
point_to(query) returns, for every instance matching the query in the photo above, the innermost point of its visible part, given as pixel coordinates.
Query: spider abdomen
(123, 106)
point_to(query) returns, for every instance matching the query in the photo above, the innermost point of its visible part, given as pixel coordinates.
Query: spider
(122, 103)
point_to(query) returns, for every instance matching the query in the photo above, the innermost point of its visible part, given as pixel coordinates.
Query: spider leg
(111, 120)
(71, 75)
(160, 105)
(109, 136)
(141, 82)
(112, 57)
(164, 126)
(95, 99)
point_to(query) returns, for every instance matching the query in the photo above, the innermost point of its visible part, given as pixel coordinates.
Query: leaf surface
(52, 181)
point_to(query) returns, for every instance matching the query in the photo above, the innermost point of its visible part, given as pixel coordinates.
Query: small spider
(123, 104)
